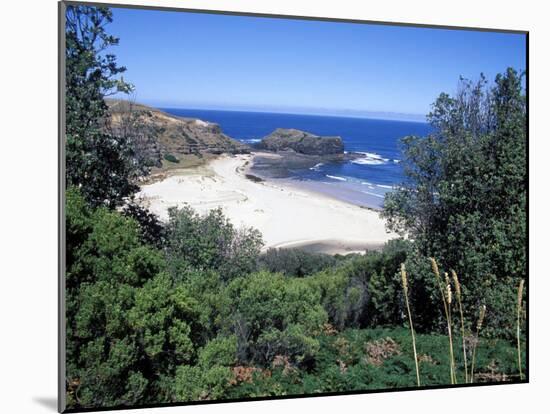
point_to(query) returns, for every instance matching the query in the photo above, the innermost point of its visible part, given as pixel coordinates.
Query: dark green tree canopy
(210, 242)
(102, 165)
(464, 199)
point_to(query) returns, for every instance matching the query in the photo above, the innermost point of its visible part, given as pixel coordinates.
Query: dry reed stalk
(449, 298)
(458, 291)
(445, 298)
(406, 293)
(478, 328)
(518, 331)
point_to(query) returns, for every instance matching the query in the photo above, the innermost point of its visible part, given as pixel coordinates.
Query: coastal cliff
(165, 137)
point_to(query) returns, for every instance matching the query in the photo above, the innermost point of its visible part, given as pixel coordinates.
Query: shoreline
(309, 174)
(287, 215)
(327, 190)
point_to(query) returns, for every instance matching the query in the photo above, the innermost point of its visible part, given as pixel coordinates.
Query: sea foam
(334, 177)
(373, 194)
(370, 158)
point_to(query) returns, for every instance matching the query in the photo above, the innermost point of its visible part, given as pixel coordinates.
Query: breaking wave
(370, 158)
(251, 140)
(334, 177)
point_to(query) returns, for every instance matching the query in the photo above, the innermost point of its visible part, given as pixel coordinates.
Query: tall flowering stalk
(482, 311)
(449, 298)
(446, 296)
(518, 330)
(406, 293)
(458, 291)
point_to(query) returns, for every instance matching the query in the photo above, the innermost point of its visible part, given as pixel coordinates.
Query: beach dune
(286, 216)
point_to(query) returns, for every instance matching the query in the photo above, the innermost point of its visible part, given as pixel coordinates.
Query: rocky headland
(168, 139)
(291, 149)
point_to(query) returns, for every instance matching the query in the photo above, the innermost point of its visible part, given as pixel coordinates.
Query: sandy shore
(286, 216)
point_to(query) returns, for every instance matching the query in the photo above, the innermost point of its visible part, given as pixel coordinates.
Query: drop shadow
(47, 402)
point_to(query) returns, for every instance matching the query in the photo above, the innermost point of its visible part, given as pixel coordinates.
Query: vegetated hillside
(170, 137)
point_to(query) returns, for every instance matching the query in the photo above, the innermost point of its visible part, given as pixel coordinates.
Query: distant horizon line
(380, 115)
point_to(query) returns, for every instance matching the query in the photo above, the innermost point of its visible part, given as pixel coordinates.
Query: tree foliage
(192, 310)
(210, 242)
(295, 262)
(127, 323)
(271, 315)
(464, 200)
(102, 165)
(138, 333)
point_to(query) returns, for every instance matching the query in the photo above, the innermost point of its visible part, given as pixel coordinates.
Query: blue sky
(210, 61)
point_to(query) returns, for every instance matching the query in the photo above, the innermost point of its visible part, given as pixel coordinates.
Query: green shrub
(464, 197)
(171, 158)
(363, 290)
(272, 315)
(210, 379)
(139, 333)
(343, 296)
(378, 359)
(124, 313)
(219, 351)
(295, 262)
(210, 242)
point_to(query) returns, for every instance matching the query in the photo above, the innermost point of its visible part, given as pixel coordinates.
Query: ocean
(363, 181)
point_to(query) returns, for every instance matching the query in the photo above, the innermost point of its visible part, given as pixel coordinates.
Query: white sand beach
(285, 215)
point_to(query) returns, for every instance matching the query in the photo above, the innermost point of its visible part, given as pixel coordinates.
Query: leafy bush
(171, 158)
(295, 262)
(219, 351)
(127, 323)
(136, 334)
(152, 229)
(385, 305)
(211, 378)
(464, 200)
(343, 295)
(194, 383)
(363, 290)
(272, 315)
(210, 242)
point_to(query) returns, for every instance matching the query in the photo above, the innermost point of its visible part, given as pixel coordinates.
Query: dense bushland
(150, 325)
(464, 199)
(191, 310)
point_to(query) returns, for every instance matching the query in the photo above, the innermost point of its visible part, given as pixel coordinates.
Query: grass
(481, 317)
(382, 358)
(447, 298)
(458, 291)
(188, 164)
(185, 161)
(343, 364)
(406, 294)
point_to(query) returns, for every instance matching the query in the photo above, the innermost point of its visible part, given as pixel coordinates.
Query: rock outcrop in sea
(286, 150)
(302, 142)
